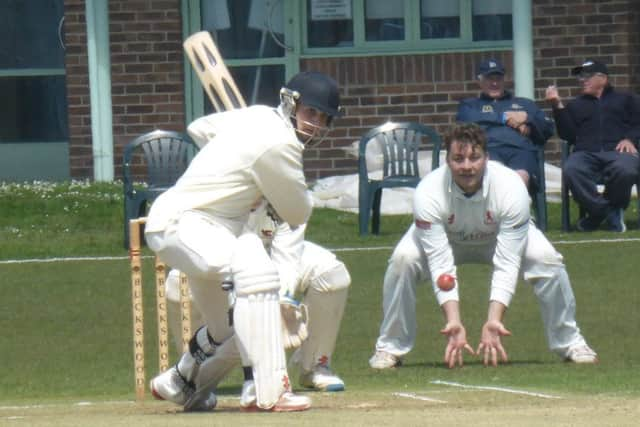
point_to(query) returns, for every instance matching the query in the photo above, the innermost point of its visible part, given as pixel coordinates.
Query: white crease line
(569, 242)
(53, 405)
(416, 397)
(363, 249)
(68, 259)
(490, 388)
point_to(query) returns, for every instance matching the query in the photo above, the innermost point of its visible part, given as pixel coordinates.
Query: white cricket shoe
(582, 353)
(383, 360)
(171, 386)
(288, 402)
(248, 396)
(321, 378)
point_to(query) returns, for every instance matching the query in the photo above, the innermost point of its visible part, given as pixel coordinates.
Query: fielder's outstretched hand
(490, 343)
(456, 344)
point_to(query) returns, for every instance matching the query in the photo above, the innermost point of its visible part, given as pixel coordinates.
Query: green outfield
(66, 337)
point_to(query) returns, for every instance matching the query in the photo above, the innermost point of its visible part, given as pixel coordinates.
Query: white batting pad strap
(252, 269)
(258, 335)
(215, 368)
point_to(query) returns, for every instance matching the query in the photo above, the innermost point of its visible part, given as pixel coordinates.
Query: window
(330, 23)
(369, 26)
(492, 20)
(250, 37)
(32, 82)
(439, 19)
(384, 20)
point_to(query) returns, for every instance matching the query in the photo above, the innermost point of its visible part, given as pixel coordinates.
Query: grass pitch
(66, 341)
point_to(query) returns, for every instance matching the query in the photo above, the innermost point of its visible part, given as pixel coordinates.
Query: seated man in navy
(515, 126)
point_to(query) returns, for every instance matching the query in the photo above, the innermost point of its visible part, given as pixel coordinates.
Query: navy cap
(590, 66)
(490, 66)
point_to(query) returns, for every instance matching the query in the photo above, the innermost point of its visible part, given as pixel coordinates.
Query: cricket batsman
(313, 282)
(472, 210)
(197, 226)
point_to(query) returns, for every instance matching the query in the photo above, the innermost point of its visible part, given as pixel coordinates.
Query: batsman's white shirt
(256, 155)
(491, 224)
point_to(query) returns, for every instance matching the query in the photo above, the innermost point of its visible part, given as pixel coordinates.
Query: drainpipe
(523, 49)
(97, 16)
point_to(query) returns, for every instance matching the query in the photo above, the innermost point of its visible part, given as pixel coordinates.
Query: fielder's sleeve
(278, 173)
(433, 240)
(511, 242)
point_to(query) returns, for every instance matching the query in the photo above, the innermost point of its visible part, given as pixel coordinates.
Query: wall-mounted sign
(329, 10)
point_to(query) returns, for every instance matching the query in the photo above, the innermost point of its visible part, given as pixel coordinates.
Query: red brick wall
(147, 83)
(427, 88)
(567, 32)
(79, 104)
(148, 93)
(419, 88)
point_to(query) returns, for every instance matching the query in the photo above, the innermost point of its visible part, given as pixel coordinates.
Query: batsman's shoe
(321, 378)
(383, 360)
(288, 402)
(203, 401)
(248, 396)
(582, 353)
(171, 386)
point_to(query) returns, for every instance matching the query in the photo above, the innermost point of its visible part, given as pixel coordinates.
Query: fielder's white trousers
(542, 267)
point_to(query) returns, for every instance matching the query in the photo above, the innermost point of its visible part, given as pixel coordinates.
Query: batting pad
(212, 72)
(257, 323)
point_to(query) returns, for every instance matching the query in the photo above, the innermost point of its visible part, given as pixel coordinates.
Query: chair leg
(638, 197)
(375, 217)
(566, 210)
(540, 208)
(364, 214)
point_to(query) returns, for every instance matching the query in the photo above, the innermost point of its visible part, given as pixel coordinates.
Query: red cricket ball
(446, 282)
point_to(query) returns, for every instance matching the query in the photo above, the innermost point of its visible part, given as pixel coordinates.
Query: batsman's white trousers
(541, 266)
(201, 246)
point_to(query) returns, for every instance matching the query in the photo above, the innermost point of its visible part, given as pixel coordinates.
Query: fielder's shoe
(383, 360)
(581, 353)
(288, 402)
(321, 378)
(171, 386)
(615, 219)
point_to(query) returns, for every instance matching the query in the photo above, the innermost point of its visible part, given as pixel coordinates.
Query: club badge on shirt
(488, 218)
(487, 109)
(424, 225)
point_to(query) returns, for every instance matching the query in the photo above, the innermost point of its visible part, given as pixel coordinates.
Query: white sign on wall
(328, 10)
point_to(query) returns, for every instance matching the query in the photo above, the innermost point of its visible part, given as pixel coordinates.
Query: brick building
(149, 84)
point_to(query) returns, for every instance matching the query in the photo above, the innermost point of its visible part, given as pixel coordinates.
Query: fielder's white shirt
(496, 218)
(255, 155)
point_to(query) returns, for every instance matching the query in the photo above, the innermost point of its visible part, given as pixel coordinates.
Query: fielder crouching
(248, 155)
(475, 211)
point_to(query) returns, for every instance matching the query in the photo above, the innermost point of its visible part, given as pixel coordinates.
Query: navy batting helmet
(317, 90)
